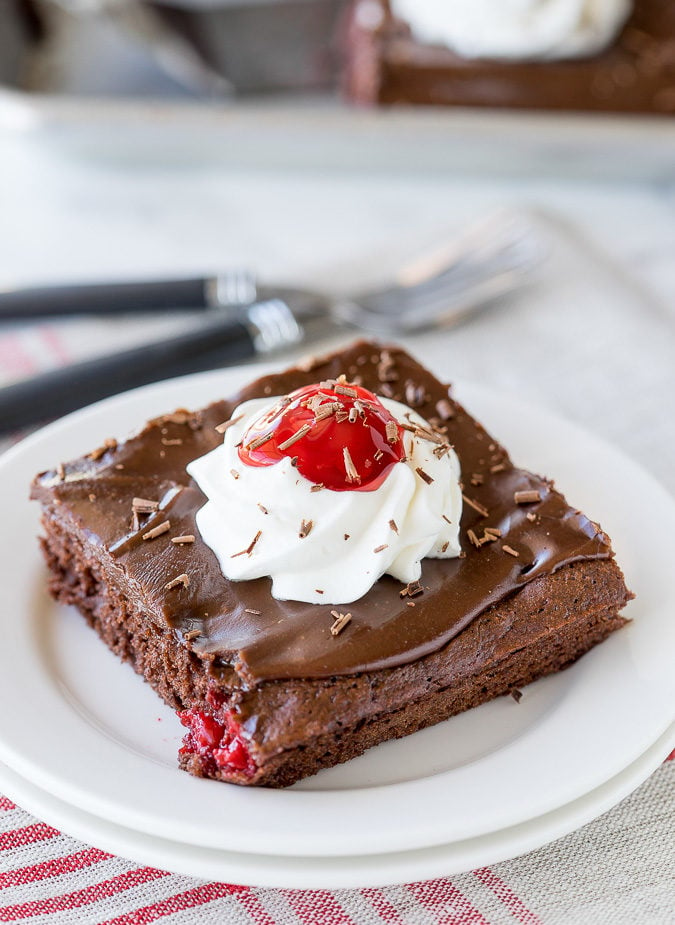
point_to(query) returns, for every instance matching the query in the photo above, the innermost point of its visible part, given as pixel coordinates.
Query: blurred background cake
(612, 55)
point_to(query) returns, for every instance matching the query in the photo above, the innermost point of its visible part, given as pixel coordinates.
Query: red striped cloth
(618, 869)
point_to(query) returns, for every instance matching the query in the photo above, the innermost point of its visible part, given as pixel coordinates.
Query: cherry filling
(340, 435)
(217, 739)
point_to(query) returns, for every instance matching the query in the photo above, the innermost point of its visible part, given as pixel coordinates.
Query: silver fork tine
(488, 260)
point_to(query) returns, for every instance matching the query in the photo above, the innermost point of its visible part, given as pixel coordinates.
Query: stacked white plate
(88, 747)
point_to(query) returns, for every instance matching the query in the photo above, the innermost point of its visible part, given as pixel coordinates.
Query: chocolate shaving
(347, 390)
(424, 475)
(377, 455)
(393, 525)
(381, 548)
(391, 431)
(144, 506)
(412, 589)
(499, 467)
(259, 440)
(492, 531)
(444, 409)
(341, 621)
(473, 538)
(253, 611)
(298, 435)
(415, 395)
(192, 634)
(326, 410)
(92, 497)
(476, 505)
(183, 540)
(249, 548)
(347, 535)
(176, 582)
(262, 508)
(353, 414)
(527, 497)
(318, 486)
(442, 450)
(446, 519)
(350, 468)
(510, 550)
(158, 530)
(477, 478)
(109, 444)
(176, 442)
(516, 694)
(444, 546)
(180, 416)
(531, 516)
(61, 472)
(221, 428)
(305, 528)
(234, 473)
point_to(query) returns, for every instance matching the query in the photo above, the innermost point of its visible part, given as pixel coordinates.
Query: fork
(442, 287)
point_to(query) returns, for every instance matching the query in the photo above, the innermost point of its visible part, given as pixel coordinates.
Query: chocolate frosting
(239, 625)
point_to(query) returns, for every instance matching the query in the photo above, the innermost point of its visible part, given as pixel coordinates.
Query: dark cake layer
(484, 623)
(385, 64)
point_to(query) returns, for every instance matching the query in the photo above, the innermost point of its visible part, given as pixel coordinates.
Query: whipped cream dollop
(516, 29)
(323, 546)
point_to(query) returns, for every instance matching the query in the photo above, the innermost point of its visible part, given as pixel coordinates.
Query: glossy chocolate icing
(241, 626)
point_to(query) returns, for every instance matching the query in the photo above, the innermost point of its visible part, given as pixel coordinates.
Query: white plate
(335, 873)
(85, 728)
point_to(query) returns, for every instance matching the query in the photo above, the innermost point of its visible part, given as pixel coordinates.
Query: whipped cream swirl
(516, 29)
(324, 546)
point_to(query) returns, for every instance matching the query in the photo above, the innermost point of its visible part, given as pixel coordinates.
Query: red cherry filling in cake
(340, 435)
(216, 739)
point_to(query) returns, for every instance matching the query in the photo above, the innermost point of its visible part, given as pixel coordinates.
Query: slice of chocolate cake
(273, 690)
(387, 64)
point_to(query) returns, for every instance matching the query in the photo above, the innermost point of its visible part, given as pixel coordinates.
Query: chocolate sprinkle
(510, 550)
(183, 540)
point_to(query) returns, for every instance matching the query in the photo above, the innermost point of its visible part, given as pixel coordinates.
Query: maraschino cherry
(340, 436)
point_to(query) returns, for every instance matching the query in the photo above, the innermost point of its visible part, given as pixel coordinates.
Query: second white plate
(87, 730)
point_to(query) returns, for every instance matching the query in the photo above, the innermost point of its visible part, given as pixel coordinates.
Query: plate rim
(201, 380)
(349, 872)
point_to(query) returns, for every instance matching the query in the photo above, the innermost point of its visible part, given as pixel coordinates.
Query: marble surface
(593, 337)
